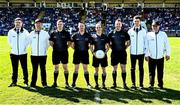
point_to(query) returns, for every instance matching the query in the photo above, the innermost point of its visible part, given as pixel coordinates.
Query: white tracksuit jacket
(137, 41)
(39, 42)
(18, 41)
(157, 45)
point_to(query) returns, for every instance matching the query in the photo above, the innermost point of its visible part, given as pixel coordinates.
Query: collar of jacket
(114, 31)
(37, 32)
(59, 31)
(140, 28)
(21, 30)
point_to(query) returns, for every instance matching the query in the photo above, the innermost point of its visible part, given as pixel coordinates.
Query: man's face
(137, 22)
(118, 25)
(60, 24)
(38, 25)
(98, 28)
(18, 23)
(155, 28)
(81, 27)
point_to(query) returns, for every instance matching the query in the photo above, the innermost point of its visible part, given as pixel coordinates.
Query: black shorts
(59, 57)
(81, 57)
(118, 57)
(103, 62)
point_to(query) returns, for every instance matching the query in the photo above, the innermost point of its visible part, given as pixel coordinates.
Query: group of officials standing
(152, 46)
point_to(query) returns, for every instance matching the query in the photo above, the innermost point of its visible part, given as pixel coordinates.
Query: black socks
(86, 75)
(114, 74)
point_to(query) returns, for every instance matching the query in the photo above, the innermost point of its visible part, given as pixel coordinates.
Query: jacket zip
(38, 46)
(136, 42)
(18, 43)
(156, 47)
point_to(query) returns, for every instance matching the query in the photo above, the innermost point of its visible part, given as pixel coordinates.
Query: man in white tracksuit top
(137, 50)
(18, 41)
(157, 46)
(39, 40)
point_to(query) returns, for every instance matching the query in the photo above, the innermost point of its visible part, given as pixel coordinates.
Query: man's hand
(93, 53)
(51, 43)
(72, 45)
(147, 59)
(128, 43)
(167, 57)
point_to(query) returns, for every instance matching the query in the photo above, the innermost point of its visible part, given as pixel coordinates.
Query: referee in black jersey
(60, 41)
(99, 42)
(119, 41)
(81, 43)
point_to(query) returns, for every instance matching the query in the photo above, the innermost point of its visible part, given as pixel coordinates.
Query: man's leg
(160, 72)
(86, 73)
(14, 62)
(141, 70)
(114, 75)
(133, 68)
(56, 73)
(152, 67)
(103, 77)
(23, 60)
(75, 75)
(66, 74)
(123, 74)
(34, 61)
(43, 70)
(96, 77)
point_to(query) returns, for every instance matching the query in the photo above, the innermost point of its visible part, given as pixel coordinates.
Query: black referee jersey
(60, 40)
(118, 39)
(100, 42)
(81, 42)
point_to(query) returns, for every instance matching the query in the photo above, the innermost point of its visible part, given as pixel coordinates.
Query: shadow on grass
(119, 95)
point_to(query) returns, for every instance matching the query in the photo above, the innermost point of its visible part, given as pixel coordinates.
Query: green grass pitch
(81, 95)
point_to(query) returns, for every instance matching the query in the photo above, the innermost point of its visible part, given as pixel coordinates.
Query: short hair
(118, 20)
(18, 18)
(155, 22)
(98, 23)
(38, 20)
(137, 17)
(59, 20)
(81, 23)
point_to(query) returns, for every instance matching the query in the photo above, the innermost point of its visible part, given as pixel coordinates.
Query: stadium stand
(169, 17)
(7, 16)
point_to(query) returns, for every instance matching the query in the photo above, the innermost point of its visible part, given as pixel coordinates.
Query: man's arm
(72, 45)
(128, 43)
(167, 47)
(107, 48)
(92, 48)
(69, 44)
(51, 43)
(146, 49)
(9, 39)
